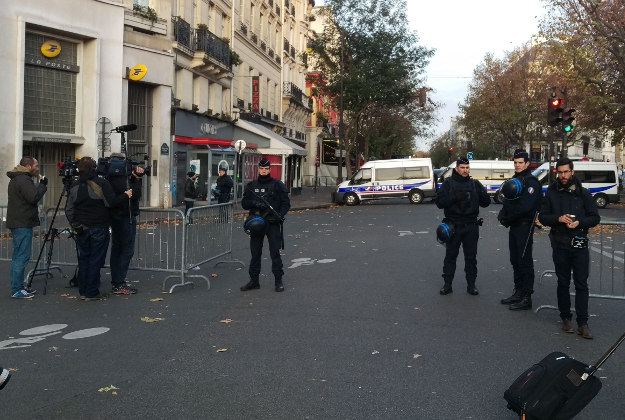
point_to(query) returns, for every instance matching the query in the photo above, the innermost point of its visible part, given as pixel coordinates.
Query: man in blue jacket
(570, 210)
(462, 197)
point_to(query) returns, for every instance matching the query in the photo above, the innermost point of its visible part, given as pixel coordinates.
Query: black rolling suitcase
(556, 388)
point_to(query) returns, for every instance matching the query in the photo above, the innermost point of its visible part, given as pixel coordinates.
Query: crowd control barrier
(607, 263)
(167, 241)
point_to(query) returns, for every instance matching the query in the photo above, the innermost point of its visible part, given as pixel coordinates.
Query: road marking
(42, 332)
(309, 261)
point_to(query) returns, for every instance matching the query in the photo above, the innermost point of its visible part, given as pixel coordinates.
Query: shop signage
(208, 128)
(34, 61)
(137, 72)
(255, 94)
(50, 49)
(51, 140)
(164, 149)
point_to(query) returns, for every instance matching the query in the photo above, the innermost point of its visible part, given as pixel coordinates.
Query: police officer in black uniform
(462, 197)
(224, 186)
(570, 210)
(519, 214)
(259, 194)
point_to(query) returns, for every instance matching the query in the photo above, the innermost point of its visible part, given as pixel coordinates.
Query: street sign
(239, 146)
(103, 128)
(341, 153)
(470, 155)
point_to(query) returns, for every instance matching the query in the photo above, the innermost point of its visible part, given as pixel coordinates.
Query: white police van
(393, 178)
(491, 173)
(600, 178)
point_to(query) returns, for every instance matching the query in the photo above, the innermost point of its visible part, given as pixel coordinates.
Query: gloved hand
(43, 180)
(260, 205)
(503, 221)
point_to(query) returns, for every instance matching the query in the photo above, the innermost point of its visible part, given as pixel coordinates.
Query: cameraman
(124, 225)
(87, 210)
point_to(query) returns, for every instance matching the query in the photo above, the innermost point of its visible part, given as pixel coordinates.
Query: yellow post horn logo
(138, 72)
(51, 49)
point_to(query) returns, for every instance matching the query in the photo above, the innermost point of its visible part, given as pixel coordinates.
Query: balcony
(240, 103)
(293, 53)
(243, 29)
(212, 54)
(271, 53)
(295, 94)
(182, 32)
(139, 21)
(278, 10)
(287, 45)
(263, 46)
(254, 38)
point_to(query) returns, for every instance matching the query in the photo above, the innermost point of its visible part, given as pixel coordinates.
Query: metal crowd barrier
(607, 263)
(166, 241)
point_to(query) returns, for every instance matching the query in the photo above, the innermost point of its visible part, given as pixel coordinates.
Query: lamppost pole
(341, 138)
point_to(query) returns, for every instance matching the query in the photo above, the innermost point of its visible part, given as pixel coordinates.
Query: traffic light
(554, 111)
(450, 152)
(568, 120)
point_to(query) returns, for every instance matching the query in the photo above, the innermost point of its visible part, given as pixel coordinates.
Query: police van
(393, 178)
(491, 173)
(600, 178)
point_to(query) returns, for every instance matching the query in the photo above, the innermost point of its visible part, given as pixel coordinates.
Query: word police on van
(393, 178)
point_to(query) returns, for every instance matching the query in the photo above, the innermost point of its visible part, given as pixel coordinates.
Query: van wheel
(498, 197)
(351, 199)
(601, 200)
(415, 196)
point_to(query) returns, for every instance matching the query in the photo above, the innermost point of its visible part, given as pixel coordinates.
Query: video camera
(67, 168)
(119, 166)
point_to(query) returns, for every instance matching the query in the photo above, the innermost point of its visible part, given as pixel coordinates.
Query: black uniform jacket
(524, 208)
(572, 199)
(273, 191)
(461, 198)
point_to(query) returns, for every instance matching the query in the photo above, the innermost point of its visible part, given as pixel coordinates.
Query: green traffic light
(569, 128)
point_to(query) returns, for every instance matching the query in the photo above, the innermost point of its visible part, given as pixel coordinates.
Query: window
(50, 92)
(415, 172)
(362, 176)
(596, 176)
(480, 173)
(142, 3)
(388, 174)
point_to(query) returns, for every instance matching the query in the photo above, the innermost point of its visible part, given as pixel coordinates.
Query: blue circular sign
(470, 155)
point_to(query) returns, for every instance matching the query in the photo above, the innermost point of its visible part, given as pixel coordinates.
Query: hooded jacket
(462, 198)
(570, 199)
(23, 196)
(89, 206)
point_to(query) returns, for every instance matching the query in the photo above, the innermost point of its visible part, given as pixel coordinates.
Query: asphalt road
(360, 333)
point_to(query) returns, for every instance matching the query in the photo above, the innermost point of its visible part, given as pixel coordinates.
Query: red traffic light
(555, 102)
(451, 149)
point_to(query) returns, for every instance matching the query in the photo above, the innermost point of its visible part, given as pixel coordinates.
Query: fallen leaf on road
(416, 356)
(12, 369)
(222, 350)
(375, 352)
(148, 319)
(107, 389)
(226, 321)
(53, 348)
(156, 299)
(214, 275)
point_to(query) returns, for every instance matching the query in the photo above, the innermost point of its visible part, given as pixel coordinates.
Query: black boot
(472, 290)
(279, 285)
(516, 297)
(524, 304)
(251, 285)
(446, 289)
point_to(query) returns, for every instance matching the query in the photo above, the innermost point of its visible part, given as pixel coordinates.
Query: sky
(462, 32)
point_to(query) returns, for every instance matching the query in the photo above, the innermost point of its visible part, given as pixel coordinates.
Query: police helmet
(444, 232)
(511, 189)
(255, 226)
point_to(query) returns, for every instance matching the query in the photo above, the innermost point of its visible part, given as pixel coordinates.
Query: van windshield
(362, 176)
(540, 173)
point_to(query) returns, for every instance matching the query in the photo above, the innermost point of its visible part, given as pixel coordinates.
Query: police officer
(570, 210)
(224, 186)
(461, 197)
(519, 213)
(259, 194)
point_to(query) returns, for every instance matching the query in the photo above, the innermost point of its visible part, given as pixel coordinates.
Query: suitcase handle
(596, 366)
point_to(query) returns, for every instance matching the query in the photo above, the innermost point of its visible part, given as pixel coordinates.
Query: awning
(278, 145)
(213, 143)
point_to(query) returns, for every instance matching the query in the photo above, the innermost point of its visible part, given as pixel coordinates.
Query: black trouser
(274, 238)
(522, 264)
(123, 233)
(578, 261)
(467, 235)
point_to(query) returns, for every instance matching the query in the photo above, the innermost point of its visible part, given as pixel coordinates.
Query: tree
(372, 61)
(589, 36)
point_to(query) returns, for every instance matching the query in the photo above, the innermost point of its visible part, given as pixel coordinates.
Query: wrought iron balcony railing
(182, 31)
(212, 45)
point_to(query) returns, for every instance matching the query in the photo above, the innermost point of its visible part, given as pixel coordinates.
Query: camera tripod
(50, 236)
